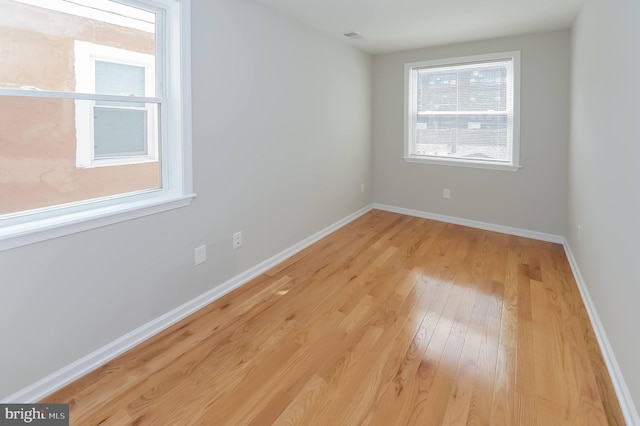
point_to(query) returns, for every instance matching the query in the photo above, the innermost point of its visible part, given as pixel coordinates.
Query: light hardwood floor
(390, 320)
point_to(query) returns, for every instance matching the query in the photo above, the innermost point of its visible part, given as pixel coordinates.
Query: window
(94, 114)
(464, 111)
(114, 133)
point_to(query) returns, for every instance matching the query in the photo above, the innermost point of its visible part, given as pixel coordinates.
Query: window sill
(463, 163)
(45, 229)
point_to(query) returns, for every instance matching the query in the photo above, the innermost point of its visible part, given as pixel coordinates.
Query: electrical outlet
(446, 193)
(237, 240)
(362, 187)
(200, 255)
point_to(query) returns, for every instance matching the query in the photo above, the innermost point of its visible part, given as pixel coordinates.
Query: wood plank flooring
(391, 320)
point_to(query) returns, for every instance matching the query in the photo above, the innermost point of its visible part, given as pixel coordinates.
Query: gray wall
(532, 198)
(604, 177)
(281, 144)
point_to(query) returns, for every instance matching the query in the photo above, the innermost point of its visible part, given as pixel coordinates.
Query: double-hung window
(94, 114)
(464, 111)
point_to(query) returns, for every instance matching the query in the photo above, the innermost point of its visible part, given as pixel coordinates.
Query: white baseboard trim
(473, 224)
(49, 384)
(627, 406)
(86, 364)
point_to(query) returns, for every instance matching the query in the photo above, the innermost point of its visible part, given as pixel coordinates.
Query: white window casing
(453, 120)
(172, 95)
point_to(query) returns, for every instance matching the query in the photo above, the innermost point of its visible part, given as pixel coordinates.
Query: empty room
(365, 212)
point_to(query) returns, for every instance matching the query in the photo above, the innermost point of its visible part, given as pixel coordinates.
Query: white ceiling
(392, 25)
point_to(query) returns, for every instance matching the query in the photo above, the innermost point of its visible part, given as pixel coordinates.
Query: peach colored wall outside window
(38, 136)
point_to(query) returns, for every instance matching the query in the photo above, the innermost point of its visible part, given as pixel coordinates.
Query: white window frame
(86, 55)
(513, 111)
(173, 97)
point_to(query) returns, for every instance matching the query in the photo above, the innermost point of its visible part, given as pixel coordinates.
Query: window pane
(437, 91)
(462, 111)
(37, 40)
(482, 137)
(483, 89)
(473, 88)
(39, 142)
(119, 132)
(438, 131)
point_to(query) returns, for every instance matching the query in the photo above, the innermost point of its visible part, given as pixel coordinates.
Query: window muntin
(43, 192)
(463, 111)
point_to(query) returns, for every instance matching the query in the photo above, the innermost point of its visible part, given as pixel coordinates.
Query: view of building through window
(464, 110)
(463, 113)
(119, 127)
(78, 115)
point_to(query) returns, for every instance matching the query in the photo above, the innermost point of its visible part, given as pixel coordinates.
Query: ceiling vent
(354, 35)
